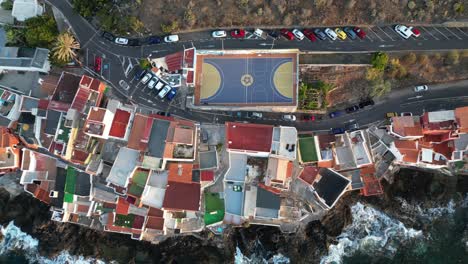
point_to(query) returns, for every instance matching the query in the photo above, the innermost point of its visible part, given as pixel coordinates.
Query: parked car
(152, 83)
(164, 91)
(331, 34)
(97, 64)
(351, 109)
(366, 103)
(254, 115)
(320, 34)
(340, 33)
(308, 118)
(154, 40)
(298, 34)
(352, 125)
(121, 41)
(204, 136)
(391, 114)
(124, 85)
(108, 36)
(162, 113)
(259, 33)
(171, 94)
(287, 34)
(309, 34)
(416, 32)
(146, 78)
(361, 34)
(159, 85)
(139, 74)
(171, 38)
(238, 33)
(338, 130)
(421, 88)
(219, 34)
(404, 31)
(406, 114)
(335, 114)
(289, 118)
(274, 34)
(350, 32)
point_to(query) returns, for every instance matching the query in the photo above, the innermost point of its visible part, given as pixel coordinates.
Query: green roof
(70, 180)
(65, 135)
(307, 149)
(214, 208)
(135, 190)
(140, 177)
(68, 198)
(124, 220)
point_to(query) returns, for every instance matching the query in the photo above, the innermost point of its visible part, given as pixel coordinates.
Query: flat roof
(123, 166)
(157, 140)
(234, 201)
(182, 196)
(119, 123)
(237, 165)
(267, 199)
(250, 137)
(330, 186)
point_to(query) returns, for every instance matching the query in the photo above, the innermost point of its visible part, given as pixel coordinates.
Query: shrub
(145, 64)
(260, 12)
(136, 24)
(40, 31)
(243, 3)
(372, 74)
(453, 57)
(189, 17)
(464, 54)
(380, 87)
(459, 8)
(423, 60)
(437, 56)
(411, 5)
(171, 27)
(379, 61)
(7, 5)
(409, 58)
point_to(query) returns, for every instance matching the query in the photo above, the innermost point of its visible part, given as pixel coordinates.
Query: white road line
(381, 39)
(463, 32)
(386, 33)
(430, 33)
(440, 32)
(453, 33)
(368, 37)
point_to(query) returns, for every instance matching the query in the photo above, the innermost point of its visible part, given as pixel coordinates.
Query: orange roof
(410, 155)
(180, 171)
(136, 134)
(183, 136)
(461, 114)
(405, 144)
(309, 174)
(406, 126)
(325, 164)
(96, 114)
(122, 206)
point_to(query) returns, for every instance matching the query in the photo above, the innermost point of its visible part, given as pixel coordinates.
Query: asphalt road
(119, 64)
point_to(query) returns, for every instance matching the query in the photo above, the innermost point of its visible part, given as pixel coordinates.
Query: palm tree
(65, 47)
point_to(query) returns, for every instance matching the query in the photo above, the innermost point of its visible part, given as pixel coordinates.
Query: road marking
(368, 37)
(453, 33)
(386, 33)
(463, 32)
(440, 32)
(381, 39)
(430, 33)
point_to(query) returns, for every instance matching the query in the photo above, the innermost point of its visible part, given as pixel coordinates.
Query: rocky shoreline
(409, 188)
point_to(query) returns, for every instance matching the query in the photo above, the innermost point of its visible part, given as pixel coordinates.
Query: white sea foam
(15, 240)
(256, 258)
(371, 231)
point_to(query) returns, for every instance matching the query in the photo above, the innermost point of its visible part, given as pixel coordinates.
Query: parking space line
(440, 32)
(430, 33)
(463, 32)
(376, 34)
(367, 36)
(386, 33)
(446, 28)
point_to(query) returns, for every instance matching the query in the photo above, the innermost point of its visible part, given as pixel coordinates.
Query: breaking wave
(15, 241)
(260, 256)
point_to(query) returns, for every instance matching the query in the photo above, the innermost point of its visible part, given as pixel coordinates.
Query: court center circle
(247, 80)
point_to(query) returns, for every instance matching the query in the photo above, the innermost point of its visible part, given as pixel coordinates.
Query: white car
(331, 34)
(219, 34)
(146, 78)
(289, 117)
(159, 85)
(421, 88)
(298, 34)
(124, 84)
(121, 41)
(171, 38)
(259, 33)
(404, 31)
(164, 91)
(152, 83)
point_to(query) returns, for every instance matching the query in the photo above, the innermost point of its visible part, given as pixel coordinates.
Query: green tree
(88, 8)
(453, 57)
(7, 5)
(171, 27)
(380, 87)
(409, 58)
(379, 61)
(40, 31)
(14, 36)
(145, 64)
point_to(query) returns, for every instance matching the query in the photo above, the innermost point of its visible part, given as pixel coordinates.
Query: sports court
(246, 79)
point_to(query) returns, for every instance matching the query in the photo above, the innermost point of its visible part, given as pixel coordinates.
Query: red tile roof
(119, 124)
(180, 171)
(58, 106)
(43, 104)
(250, 137)
(138, 222)
(461, 114)
(79, 156)
(156, 223)
(190, 79)
(80, 100)
(82, 208)
(207, 175)
(309, 174)
(189, 57)
(410, 155)
(89, 83)
(406, 126)
(136, 134)
(155, 212)
(174, 61)
(372, 186)
(122, 206)
(182, 196)
(405, 144)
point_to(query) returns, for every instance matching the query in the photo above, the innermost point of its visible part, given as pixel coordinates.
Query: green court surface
(214, 208)
(307, 149)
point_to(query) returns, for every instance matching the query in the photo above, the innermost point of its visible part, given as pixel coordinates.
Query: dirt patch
(190, 14)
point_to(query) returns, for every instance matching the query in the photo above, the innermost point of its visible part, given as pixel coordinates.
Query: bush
(464, 54)
(380, 87)
(7, 5)
(423, 60)
(40, 31)
(145, 64)
(379, 61)
(459, 8)
(453, 57)
(189, 17)
(373, 74)
(243, 3)
(171, 27)
(88, 8)
(411, 5)
(409, 58)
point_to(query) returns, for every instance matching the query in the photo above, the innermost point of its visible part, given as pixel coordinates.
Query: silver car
(164, 91)
(152, 83)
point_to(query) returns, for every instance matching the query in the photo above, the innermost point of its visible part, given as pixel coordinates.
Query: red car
(97, 64)
(238, 33)
(416, 32)
(287, 34)
(309, 34)
(361, 34)
(308, 118)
